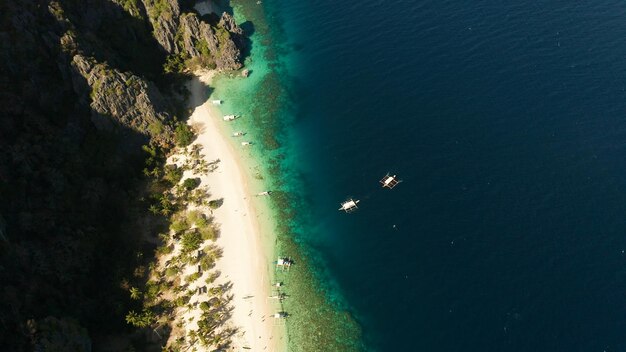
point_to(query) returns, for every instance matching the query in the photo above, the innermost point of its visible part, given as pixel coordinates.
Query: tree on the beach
(216, 203)
(141, 320)
(183, 134)
(191, 183)
(135, 293)
(190, 241)
(154, 209)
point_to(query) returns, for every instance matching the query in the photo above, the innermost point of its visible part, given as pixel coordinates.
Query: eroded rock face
(164, 17)
(188, 35)
(120, 98)
(228, 23)
(195, 34)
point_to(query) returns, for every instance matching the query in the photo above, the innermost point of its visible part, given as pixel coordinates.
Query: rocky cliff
(82, 88)
(121, 100)
(186, 35)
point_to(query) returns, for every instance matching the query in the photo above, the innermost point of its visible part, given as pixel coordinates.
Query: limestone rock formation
(164, 15)
(187, 35)
(198, 39)
(120, 98)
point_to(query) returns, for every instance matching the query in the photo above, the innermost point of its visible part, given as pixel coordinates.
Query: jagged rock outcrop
(200, 39)
(228, 23)
(163, 15)
(187, 35)
(121, 98)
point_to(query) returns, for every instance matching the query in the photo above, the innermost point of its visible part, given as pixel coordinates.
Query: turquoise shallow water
(267, 104)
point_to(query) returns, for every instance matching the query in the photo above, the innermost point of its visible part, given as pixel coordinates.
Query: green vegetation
(179, 225)
(135, 293)
(216, 203)
(208, 233)
(192, 277)
(156, 128)
(203, 47)
(159, 8)
(173, 174)
(95, 89)
(175, 63)
(183, 134)
(191, 183)
(131, 7)
(171, 271)
(141, 320)
(223, 36)
(190, 241)
(165, 249)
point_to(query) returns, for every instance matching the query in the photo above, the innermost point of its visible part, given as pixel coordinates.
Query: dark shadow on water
(248, 28)
(244, 41)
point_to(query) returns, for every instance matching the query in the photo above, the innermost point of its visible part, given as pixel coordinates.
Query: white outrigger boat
(390, 181)
(239, 134)
(280, 315)
(216, 102)
(229, 117)
(284, 262)
(246, 143)
(349, 205)
(264, 193)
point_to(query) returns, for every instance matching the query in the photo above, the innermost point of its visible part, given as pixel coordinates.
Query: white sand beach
(244, 262)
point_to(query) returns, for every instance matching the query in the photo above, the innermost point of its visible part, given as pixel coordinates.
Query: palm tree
(140, 320)
(135, 293)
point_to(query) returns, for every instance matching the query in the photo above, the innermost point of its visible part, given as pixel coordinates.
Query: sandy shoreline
(244, 262)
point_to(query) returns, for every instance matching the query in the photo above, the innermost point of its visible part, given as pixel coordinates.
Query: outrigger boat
(229, 117)
(239, 134)
(279, 296)
(246, 143)
(284, 262)
(389, 181)
(264, 193)
(216, 102)
(349, 205)
(280, 315)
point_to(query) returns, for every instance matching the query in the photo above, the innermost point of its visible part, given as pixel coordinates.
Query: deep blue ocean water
(507, 122)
